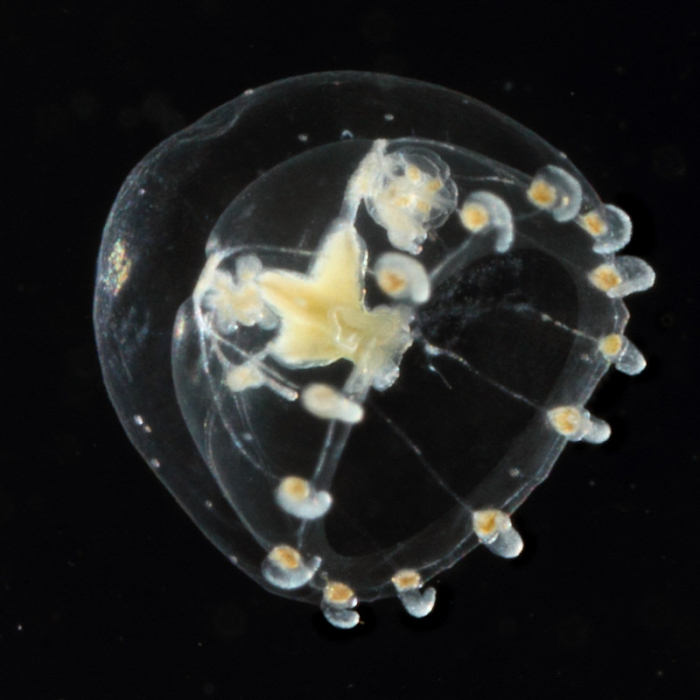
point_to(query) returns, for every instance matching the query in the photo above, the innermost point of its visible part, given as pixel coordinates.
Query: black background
(107, 590)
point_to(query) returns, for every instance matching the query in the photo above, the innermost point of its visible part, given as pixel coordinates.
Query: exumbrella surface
(351, 320)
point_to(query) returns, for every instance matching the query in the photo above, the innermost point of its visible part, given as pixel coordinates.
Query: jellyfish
(351, 321)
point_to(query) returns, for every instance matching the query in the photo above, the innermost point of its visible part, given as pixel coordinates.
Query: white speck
(389, 117)
(345, 134)
(142, 423)
(155, 463)
(303, 138)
